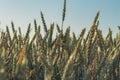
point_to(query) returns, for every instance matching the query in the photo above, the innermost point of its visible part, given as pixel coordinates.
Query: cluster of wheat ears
(65, 57)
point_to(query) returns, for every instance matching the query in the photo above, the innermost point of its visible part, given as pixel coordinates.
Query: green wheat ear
(7, 29)
(27, 33)
(35, 25)
(96, 17)
(43, 21)
(63, 14)
(119, 27)
(13, 28)
(19, 30)
(58, 28)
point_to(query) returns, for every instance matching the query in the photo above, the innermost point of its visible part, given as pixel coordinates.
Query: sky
(79, 14)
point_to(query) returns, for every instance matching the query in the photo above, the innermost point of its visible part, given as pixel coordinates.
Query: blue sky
(80, 13)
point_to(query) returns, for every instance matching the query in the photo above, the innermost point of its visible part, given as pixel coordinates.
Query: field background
(80, 14)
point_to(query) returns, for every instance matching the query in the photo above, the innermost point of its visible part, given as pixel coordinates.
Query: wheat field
(65, 57)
